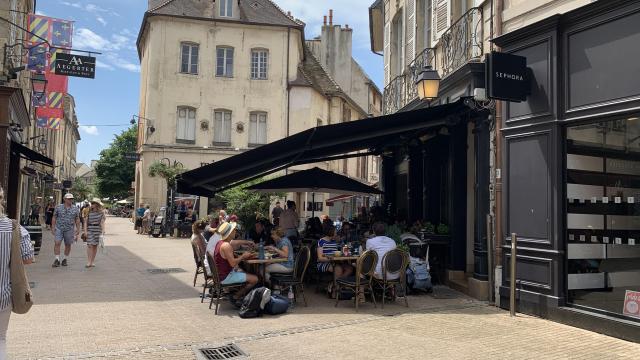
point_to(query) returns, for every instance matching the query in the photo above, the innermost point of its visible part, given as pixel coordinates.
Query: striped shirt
(6, 233)
(66, 217)
(93, 222)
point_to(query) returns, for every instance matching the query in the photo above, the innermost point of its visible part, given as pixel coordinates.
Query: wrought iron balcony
(462, 42)
(402, 89)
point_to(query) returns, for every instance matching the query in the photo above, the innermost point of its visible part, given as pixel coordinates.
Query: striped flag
(39, 25)
(54, 100)
(54, 123)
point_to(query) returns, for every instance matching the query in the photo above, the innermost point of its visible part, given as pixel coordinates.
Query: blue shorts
(68, 236)
(235, 277)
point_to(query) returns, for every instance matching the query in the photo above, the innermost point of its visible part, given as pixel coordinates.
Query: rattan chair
(215, 284)
(394, 262)
(296, 279)
(365, 267)
(198, 259)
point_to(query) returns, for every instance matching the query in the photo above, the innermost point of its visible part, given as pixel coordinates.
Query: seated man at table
(261, 232)
(326, 247)
(227, 263)
(284, 250)
(381, 244)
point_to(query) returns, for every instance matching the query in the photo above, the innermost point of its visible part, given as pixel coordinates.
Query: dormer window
(226, 8)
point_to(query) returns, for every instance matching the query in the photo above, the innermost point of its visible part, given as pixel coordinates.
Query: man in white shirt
(381, 244)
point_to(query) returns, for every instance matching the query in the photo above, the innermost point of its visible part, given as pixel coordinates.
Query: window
(224, 64)
(189, 60)
(222, 127)
(259, 64)
(186, 125)
(226, 8)
(397, 45)
(257, 128)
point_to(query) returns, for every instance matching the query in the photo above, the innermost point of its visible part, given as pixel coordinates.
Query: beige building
(221, 78)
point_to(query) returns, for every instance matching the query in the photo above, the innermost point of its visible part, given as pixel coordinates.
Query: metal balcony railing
(402, 89)
(462, 42)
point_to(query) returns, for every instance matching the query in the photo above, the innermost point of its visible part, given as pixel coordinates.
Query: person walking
(93, 230)
(65, 226)
(146, 220)
(49, 214)
(275, 214)
(6, 237)
(34, 216)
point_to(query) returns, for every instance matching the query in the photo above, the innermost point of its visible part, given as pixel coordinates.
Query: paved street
(119, 310)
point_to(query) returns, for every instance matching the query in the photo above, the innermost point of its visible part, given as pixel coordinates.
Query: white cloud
(102, 65)
(41, 13)
(101, 20)
(90, 130)
(86, 39)
(115, 50)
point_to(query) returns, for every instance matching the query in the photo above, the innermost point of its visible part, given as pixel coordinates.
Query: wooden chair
(199, 260)
(365, 267)
(215, 284)
(296, 279)
(394, 262)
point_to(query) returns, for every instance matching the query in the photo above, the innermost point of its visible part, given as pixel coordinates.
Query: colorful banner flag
(38, 100)
(44, 112)
(54, 100)
(37, 57)
(61, 33)
(42, 123)
(40, 26)
(54, 123)
(56, 83)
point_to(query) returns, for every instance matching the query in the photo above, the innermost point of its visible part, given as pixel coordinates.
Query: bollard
(512, 272)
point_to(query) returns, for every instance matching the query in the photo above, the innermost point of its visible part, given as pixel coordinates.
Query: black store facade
(571, 172)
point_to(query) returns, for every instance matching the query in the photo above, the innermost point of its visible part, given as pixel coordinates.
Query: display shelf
(586, 177)
(576, 148)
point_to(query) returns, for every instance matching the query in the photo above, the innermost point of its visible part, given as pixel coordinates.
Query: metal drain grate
(229, 351)
(166, 270)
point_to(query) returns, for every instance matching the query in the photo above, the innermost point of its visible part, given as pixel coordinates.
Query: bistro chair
(321, 279)
(394, 262)
(365, 267)
(199, 260)
(297, 278)
(217, 288)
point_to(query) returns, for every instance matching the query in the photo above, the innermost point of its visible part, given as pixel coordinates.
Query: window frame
(190, 63)
(221, 142)
(256, 128)
(256, 75)
(225, 59)
(227, 12)
(185, 139)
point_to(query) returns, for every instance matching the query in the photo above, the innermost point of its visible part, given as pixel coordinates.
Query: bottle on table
(291, 298)
(261, 250)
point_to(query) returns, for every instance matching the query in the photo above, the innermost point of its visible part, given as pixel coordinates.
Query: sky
(111, 28)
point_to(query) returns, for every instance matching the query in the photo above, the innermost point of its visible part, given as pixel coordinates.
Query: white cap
(68, 196)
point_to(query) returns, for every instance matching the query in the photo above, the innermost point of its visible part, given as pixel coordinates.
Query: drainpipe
(286, 171)
(499, 237)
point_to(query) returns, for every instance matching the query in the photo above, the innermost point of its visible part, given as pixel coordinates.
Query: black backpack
(254, 302)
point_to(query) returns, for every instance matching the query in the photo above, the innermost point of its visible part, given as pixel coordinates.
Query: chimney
(289, 14)
(330, 17)
(346, 26)
(325, 20)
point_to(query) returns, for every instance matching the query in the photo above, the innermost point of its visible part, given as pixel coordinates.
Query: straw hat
(97, 201)
(225, 229)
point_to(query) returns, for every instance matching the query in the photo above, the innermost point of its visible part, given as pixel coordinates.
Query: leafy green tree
(247, 204)
(114, 173)
(168, 172)
(80, 189)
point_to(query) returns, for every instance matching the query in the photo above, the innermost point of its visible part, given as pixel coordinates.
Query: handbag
(20, 291)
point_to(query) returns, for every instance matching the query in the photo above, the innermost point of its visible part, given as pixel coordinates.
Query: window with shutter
(441, 15)
(410, 46)
(186, 125)
(222, 127)
(387, 53)
(257, 128)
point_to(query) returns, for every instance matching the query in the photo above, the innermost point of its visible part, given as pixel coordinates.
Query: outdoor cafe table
(263, 263)
(336, 259)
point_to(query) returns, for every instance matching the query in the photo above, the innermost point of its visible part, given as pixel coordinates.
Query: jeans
(275, 268)
(4, 324)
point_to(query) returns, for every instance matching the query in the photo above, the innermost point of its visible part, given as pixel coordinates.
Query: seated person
(261, 232)
(381, 244)
(211, 228)
(347, 233)
(227, 263)
(284, 249)
(313, 228)
(327, 246)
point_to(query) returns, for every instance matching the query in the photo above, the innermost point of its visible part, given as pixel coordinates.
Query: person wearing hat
(227, 263)
(65, 226)
(93, 230)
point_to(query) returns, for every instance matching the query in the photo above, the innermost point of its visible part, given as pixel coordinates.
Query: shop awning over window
(29, 154)
(317, 144)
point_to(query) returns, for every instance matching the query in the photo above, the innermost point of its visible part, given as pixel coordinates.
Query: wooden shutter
(441, 18)
(387, 52)
(410, 46)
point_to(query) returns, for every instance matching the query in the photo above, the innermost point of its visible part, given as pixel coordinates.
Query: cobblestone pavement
(119, 310)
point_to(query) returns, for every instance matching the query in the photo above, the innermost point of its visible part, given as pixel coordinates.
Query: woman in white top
(6, 235)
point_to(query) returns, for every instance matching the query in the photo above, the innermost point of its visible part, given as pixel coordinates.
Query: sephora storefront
(572, 169)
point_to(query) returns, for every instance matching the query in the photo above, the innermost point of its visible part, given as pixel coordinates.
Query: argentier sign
(75, 65)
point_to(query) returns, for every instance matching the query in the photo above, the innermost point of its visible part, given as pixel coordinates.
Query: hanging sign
(75, 65)
(131, 156)
(507, 77)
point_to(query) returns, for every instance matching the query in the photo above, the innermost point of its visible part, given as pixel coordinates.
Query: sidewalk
(119, 310)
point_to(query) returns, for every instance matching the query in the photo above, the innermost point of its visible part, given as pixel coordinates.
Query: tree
(80, 189)
(114, 173)
(167, 172)
(247, 204)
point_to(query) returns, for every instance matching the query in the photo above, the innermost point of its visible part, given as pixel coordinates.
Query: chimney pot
(289, 13)
(325, 20)
(330, 16)
(346, 26)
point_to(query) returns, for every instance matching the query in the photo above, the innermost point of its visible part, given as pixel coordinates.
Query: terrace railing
(462, 42)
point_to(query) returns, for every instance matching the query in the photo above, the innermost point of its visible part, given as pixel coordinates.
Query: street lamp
(428, 83)
(38, 84)
(150, 128)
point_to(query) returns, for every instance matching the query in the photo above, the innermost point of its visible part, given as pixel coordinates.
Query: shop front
(572, 169)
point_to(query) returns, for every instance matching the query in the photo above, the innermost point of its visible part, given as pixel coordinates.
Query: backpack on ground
(418, 276)
(254, 302)
(277, 305)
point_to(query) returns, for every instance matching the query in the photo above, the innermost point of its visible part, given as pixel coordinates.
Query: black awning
(316, 144)
(29, 154)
